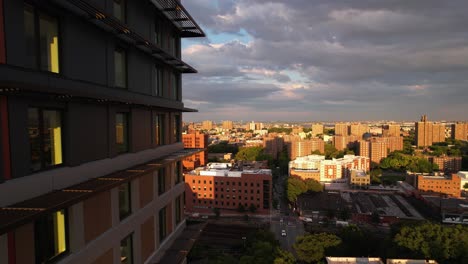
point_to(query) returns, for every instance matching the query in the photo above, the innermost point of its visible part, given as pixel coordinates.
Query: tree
(465, 186)
(446, 244)
(250, 153)
(311, 248)
(313, 185)
(295, 187)
(316, 152)
(241, 208)
(284, 257)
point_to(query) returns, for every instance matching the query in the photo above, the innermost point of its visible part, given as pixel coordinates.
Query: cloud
(340, 60)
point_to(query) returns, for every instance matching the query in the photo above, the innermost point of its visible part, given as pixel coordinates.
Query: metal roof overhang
(179, 16)
(111, 24)
(189, 110)
(24, 212)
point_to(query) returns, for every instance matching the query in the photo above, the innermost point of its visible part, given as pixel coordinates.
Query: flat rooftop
(230, 170)
(350, 260)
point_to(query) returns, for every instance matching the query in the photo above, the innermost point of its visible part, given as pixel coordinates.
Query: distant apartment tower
(207, 125)
(198, 141)
(447, 164)
(394, 143)
(438, 132)
(358, 129)
(317, 129)
(428, 133)
(300, 148)
(460, 131)
(377, 148)
(341, 142)
(341, 129)
(227, 124)
(272, 145)
(391, 130)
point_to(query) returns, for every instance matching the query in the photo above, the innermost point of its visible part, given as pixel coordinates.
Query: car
(307, 219)
(283, 233)
(204, 217)
(281, 220)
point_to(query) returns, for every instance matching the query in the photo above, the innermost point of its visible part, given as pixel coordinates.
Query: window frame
(39, 246)
(129, 191)
(162, 235)
(159, 135)
(130, 237)
(36, 12)
(162, 187)
(123, 9)
(126, 130)
(41, 137)
(123, 51)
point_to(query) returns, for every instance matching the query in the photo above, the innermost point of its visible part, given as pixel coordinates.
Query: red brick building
(447, 164)
(195, 140)
(449, 185)
(219, 185)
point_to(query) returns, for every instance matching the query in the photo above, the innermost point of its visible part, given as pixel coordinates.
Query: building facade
(318, 168)
(195, 141)
(391, 130)
(341, 129)
(446, 163)
(448, 184)
(227, 187)
(207, 125)
(460, 131)
(428, 133)
(317, 129)
(227, 124)
(304, 147)
(90, 116)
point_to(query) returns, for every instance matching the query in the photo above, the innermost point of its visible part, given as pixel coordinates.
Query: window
(162, 224)
(178, 172)
(51, 236)
(121, 132)
(42, 41)
(161, 181)
(159, 129)
(178, 210)
(158, 81)
(175, 84)
(177, 128)
(126, 250)
(158, 39)
(125, 208)
(120, 68)
(119, 10)
(45, 138)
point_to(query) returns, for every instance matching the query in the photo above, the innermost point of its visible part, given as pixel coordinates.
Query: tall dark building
(90, 129)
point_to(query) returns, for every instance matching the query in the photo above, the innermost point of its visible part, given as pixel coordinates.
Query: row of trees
(445, 244)
(399, 161)
(297, 186)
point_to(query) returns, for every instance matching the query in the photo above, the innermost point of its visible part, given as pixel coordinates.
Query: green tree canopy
(284, 257)
(295, 187)
(311, 248)
(313, 185)
(250, 153)
(446, 244)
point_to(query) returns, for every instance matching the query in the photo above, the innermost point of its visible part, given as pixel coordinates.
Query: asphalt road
(291, 223)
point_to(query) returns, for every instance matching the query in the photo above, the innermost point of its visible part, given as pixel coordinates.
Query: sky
(327, 60)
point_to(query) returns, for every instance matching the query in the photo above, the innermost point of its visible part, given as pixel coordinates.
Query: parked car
(307, 219)
(283, 233)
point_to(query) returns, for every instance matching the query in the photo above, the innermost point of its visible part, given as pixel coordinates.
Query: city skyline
(316, 60)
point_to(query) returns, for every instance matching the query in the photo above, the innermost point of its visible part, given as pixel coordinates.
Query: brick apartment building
(223, 186)
(342, 142)
(446, 163)
(273, 144)
(90, 129)
(377, 148)
(391, 130)
(304, 147)
(428, 133)
(460, 131)
(195, 141)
